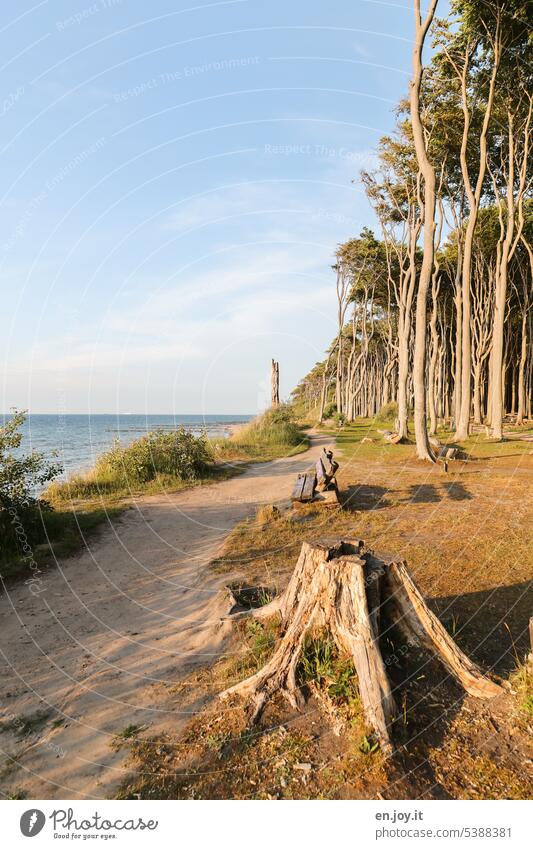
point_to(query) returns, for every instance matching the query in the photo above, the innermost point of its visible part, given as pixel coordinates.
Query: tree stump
(341, 587)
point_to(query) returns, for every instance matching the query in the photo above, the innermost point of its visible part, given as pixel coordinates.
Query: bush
(339, 419)
(176, 455)
(274, 427)
(388, 412)
(329, 411)
(20, 477)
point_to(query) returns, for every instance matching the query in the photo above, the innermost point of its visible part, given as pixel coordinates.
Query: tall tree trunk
(513, 232)
(458, 300)
(474, 198)
(423, 448)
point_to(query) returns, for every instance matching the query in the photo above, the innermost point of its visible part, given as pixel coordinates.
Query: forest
(434, 305)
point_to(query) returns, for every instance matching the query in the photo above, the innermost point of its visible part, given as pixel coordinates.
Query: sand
(116, 627)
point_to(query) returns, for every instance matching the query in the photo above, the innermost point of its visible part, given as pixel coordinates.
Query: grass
(128, 733)
(522, 682)
(159, 462)
(467, 536)
(262, 766)
(63, 533)
(91, 488)
(219, 756)
(272, 434)
(22, 726)
(320, 662)
(163, 462)
(258, 641)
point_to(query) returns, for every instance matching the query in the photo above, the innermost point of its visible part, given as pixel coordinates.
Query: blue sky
(174, 180)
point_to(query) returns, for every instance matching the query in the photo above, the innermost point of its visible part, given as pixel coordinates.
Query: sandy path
(115, 628)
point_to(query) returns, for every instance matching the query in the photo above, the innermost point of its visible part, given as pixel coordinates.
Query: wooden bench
(304, 487)
(318, 484)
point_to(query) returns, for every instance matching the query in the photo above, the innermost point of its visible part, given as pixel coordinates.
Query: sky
(174, 179)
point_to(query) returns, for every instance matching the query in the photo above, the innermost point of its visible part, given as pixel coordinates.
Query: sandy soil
(115, 628)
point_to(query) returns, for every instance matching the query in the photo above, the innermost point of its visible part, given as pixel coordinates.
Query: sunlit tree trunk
(423, 448)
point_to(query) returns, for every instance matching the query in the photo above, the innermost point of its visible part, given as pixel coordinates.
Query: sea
(76, 441)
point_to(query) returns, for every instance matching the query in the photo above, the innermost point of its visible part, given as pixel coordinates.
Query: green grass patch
(321, 662)
(522, 682)
(127, 734)
(270, 435)
(51, 534)
(259, 639)
(156, 461)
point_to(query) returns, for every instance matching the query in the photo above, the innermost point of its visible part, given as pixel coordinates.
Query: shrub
(339, 419)
(329, 411)
(21, 475)
(178, 454)
(388, 412)
(274, 427)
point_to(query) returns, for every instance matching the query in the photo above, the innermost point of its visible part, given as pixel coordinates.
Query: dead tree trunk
(341, 588)
(275, 383)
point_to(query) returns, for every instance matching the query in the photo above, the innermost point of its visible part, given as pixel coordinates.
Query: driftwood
(444, 452)
(391, 436)
(341, 587)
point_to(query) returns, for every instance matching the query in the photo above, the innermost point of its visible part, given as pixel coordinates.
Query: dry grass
(468, 539)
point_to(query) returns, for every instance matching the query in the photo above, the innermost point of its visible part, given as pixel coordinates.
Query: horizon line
(56, 413)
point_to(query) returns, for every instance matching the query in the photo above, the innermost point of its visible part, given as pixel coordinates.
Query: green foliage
(522, 682)
(527, 706)
(388, 412)
(178, 453)
(339, 419)
(274, 427)
(21, 524)
(21, 474)
(127, 734)
(259, 639)
(368, 745)
(171, 456)
(321, 662)
(330, 410)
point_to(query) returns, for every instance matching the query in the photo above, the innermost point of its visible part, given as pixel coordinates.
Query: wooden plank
(320, 472)
(328, 498)
(308, 487)
(298, 487)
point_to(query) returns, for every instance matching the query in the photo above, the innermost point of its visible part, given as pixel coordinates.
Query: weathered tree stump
(341, 587)
(274, 383)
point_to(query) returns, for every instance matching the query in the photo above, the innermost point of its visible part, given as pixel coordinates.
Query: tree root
(338, 587)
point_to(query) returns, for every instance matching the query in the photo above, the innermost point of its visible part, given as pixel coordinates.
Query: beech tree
(437, 312)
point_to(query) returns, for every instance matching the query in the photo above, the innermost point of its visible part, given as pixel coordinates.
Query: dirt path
(114, 629)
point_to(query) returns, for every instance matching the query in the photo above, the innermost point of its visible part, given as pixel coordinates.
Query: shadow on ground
(365, 497)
